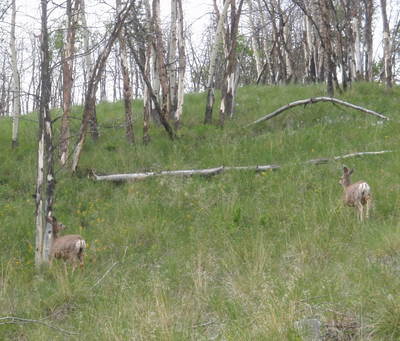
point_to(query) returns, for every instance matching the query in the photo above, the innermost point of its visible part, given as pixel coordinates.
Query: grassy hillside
(238, 256)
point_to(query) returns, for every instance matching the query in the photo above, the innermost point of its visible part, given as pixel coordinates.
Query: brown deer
(70, 247)
(356, 195)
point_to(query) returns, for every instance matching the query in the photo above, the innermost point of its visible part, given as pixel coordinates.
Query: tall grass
(238, 256)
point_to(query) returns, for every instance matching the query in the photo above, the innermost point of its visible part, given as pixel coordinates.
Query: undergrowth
(237, 256)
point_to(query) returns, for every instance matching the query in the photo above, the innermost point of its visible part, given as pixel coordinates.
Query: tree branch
(316, 100)
(221, 169)
(15, 320)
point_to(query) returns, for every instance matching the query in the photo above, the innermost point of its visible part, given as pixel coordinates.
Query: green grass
(238, 256)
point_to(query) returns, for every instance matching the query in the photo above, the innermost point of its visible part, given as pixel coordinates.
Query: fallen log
(139, 176)
(186, 172)
(316, 100)
(217, 170)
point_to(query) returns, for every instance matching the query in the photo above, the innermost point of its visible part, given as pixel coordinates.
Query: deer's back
(68, 246)
(357, 192)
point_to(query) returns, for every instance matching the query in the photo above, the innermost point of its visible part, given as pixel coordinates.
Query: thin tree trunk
(182, 66)
(68, 61)
(45, 185)
(15, 86)
(127, 88)
(172, 60)
(229, 82)
(387, 50)
(147, 102)
(90, 97)
(160, 52)
(369, 11)
(213, 61)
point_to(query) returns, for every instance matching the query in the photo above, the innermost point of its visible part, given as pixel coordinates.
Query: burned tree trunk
(45, 183)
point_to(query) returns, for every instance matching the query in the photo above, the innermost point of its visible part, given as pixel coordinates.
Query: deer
(356, 195)
(70, 247)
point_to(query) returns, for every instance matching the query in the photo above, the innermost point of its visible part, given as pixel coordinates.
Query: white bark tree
(67, 71)
(213, 61)
(15, 85)
(181, 65)
(45, 183)
(127, 88)
(387, 49)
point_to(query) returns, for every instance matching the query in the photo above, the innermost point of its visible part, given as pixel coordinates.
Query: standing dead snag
(356, 195)
(45, 181)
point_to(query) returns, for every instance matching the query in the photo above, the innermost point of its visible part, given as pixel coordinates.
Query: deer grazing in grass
(356, 195)
(70, 247)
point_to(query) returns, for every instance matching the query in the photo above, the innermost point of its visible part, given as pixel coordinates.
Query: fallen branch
(217, 170)
(316, 100)
(335, 158)
(139, 176)
(361, 154)
(105, 274)
(15, 320)
(188, 172)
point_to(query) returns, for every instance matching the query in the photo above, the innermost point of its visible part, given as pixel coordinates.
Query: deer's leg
(368, 208)
(360, 210)
(73, 265)
(80, 257)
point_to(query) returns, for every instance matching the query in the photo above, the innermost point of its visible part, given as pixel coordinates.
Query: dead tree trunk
(213, 61)
(172, 60)
(88, 66)
(15, 85)
(45, 184)
(127, 88)
(160, 52)
(387, 50)
(229, 82)
(67, 67)
(181, 66)
(369, 11)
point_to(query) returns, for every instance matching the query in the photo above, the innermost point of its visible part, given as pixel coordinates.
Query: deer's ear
(351, 171)
(345, 170)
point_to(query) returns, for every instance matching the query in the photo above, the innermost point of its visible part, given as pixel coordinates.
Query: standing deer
(356, 195)
(70, 247)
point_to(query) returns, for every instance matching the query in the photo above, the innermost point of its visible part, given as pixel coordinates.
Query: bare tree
(230, 80)
(45, 183)
(369, 11)
(387, 49)
(15, 85)
(213, 60)
(67, 70)
(127, 88)
(181, 65)
(93, 83)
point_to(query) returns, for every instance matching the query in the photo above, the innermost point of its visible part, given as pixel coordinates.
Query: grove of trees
(138, 53)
